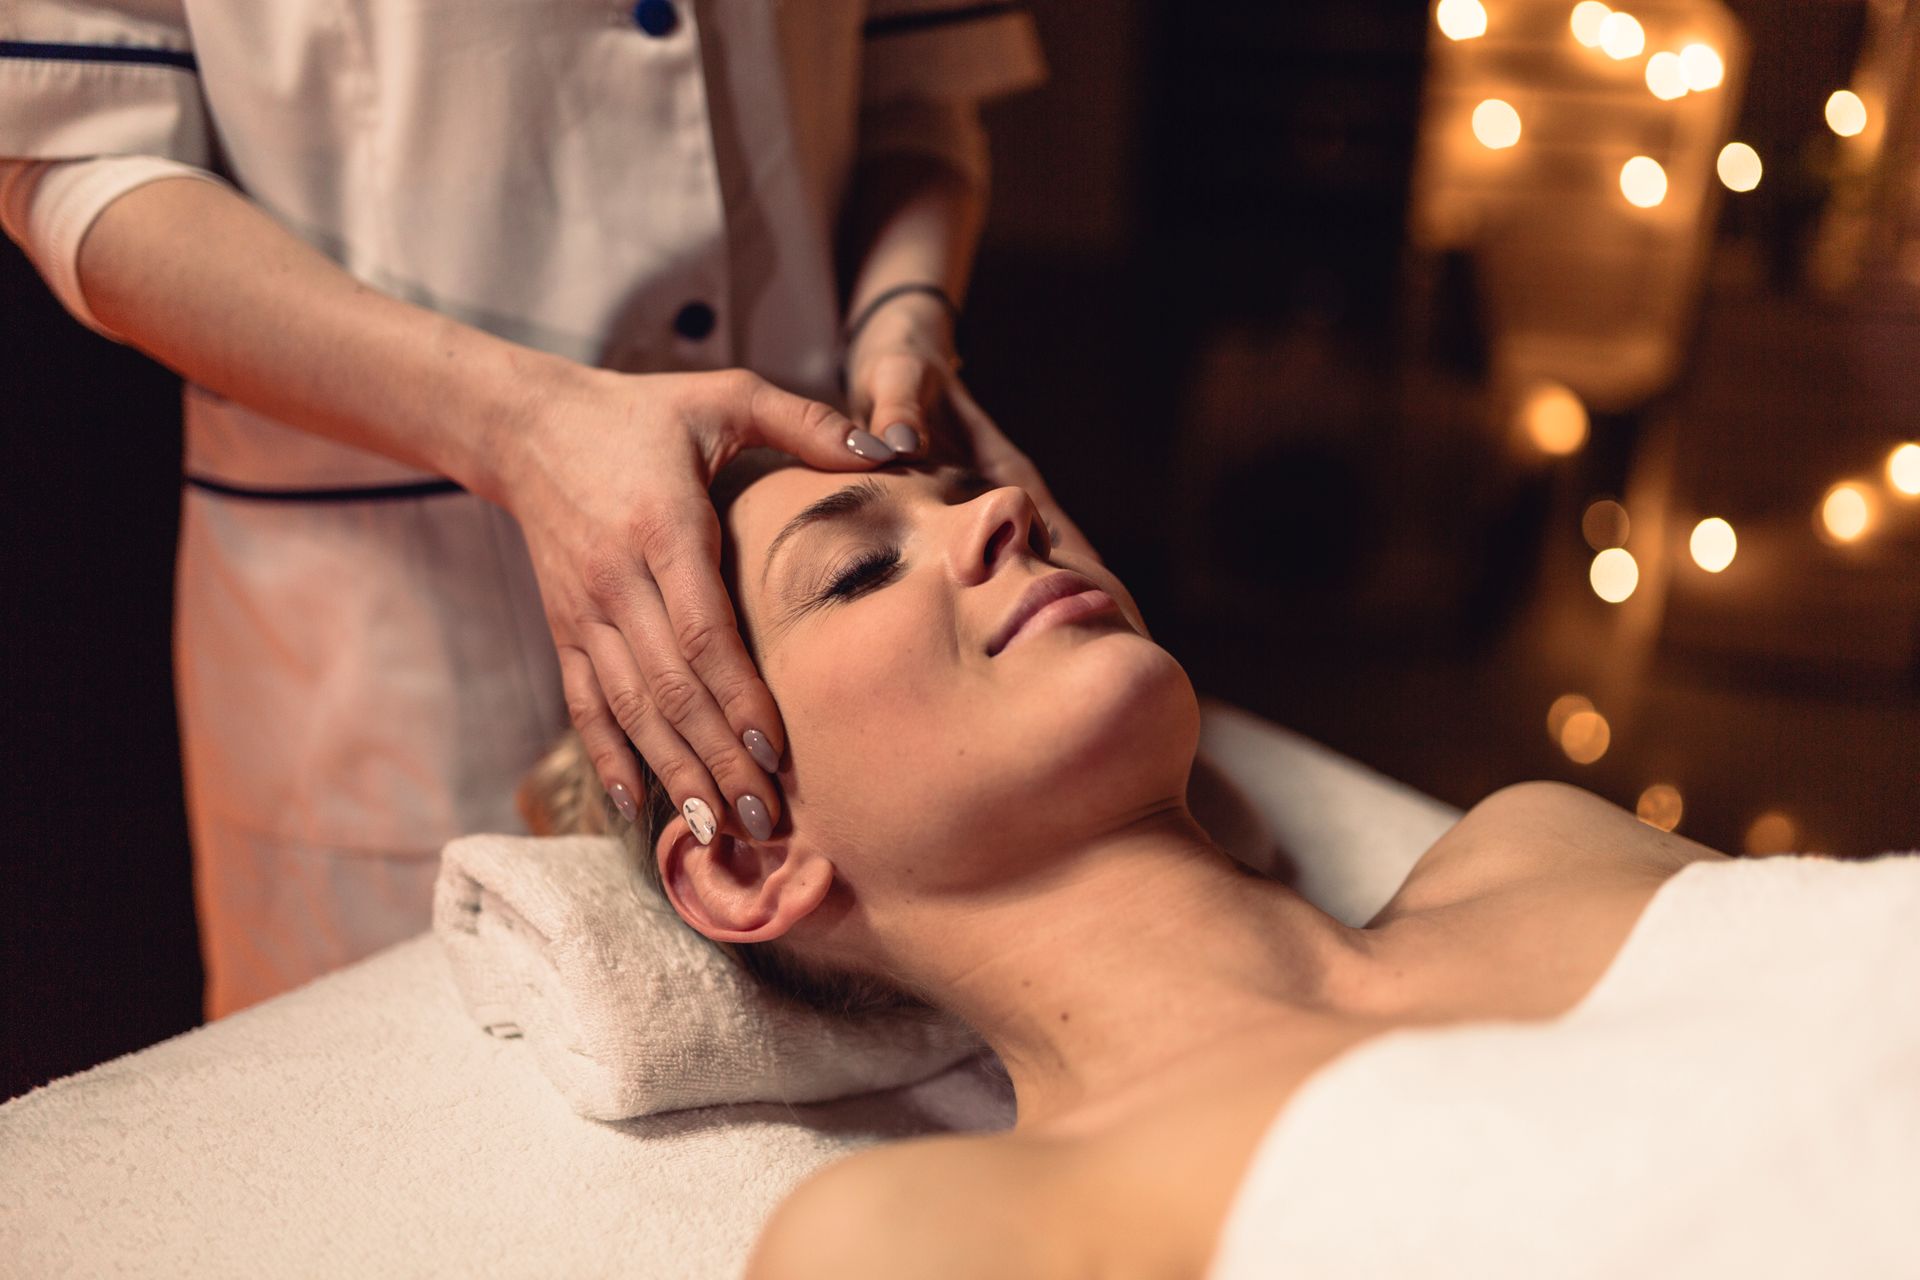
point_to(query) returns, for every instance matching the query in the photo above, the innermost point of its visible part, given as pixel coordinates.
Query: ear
(738, 890)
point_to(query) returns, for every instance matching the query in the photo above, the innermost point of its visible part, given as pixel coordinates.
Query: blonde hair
(562, 795)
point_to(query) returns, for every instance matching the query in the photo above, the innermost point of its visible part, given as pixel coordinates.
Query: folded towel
(557, 940)
(1738, 1096)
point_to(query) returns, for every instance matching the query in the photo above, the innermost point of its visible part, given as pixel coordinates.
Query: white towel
(559, 941)
(1739, 1096)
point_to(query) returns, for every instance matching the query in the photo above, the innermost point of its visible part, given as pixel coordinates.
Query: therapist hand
(610, 488)
(901, 373)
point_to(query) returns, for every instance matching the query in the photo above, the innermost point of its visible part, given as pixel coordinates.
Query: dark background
(1199, 228)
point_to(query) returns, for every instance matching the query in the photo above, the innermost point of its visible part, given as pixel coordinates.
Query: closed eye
(870, 570)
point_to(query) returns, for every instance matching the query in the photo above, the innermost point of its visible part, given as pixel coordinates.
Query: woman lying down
(986, 812)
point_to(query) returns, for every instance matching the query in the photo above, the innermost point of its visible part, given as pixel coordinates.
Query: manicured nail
(623, 801)
(902, 438)
(869, 446)
(753, 816)
(700, 818)
(760, 747)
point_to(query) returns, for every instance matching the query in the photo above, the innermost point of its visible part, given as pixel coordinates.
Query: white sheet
(1738, 1097)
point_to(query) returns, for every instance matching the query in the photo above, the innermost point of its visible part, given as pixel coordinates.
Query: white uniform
(362, 662)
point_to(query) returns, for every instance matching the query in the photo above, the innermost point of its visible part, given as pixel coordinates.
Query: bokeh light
(1496, 124)
(1643, 182)
(1665, 80)
(1614, 574)
(1660, 806)
(1846, 114)
(1847, 511)
(1564, 708)
(1701, 66)
(1621, 36)
(1461, 19)
(1772, 832)
(1713, 544)
(1585, 736)
(1903, 470)
(1738, 167)
(1586, 21)
(1604, 524)
(1553, 418)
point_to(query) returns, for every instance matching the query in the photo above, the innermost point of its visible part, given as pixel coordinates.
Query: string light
(1587, 18)
(1564, 708)
(1702, 67)
(1604, 524)
(1554, 419)
(1585, 736)
(1665, 80)
(1660, 806)
(1846, 114)
(1738, 167)
(1713, 544)
(1614, 574)
(1496, 124)
(1643, 182)
(1772, 832)
(1903, 470)
(1461, 19)
(1847, 511)
(1622, 36)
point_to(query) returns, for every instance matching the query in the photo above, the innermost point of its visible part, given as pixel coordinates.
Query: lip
(1043, 592)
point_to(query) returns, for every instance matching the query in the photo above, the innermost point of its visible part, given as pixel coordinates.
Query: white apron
(362, 663)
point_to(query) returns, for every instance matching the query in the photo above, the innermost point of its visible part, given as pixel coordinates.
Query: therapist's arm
(607, 473)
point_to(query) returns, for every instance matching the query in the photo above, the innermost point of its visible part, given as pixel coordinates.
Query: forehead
(757, 515)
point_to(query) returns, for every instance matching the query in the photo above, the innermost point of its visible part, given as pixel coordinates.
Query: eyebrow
(856, 500)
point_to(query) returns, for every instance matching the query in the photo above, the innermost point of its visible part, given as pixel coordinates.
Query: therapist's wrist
(535, 391)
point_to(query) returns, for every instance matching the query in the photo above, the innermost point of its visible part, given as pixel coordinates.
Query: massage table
(363, 1125)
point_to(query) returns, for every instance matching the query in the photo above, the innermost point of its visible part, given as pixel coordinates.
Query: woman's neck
(1143, 951)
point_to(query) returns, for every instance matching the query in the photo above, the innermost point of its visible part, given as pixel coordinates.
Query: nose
(999, 523)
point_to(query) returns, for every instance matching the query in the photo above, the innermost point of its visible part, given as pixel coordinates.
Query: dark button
(694, 321)
(656, 17)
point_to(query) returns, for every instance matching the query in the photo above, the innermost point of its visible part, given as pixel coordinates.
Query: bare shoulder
(1531, 825)
(959, 1205)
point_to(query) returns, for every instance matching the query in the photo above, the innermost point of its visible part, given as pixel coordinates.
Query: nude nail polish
(760, 747)
(869, 446)
(700, 819)
(623, 801)
(754, 817)
(901, 437)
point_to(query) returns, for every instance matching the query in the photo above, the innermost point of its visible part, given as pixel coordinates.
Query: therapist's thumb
(816, 433)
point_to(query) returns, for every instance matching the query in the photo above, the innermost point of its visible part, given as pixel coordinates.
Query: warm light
(1604, 524)
(1702, 67)
(1847, 511)
(1554, 419)
(1614, 574)
(1588, 17)
(1903, 469)
(1496, 124)
(1659, 806)
(1564, 708)
(1846, 114)
(1713, 544)
(1622, 37)
(1585, 736)
(1738, 166)
(1643, 182)
(1665, 78)
(1461, 19)
(1772, 832)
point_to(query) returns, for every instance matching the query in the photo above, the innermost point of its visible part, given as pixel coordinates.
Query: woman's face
(924, 755)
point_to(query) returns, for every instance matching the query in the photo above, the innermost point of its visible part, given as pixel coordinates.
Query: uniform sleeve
(48, 206)
(926, 67)
(84, 79)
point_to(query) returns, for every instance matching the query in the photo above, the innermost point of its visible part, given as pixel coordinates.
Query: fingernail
(753, 815)
(623, 801)
(700, 818)
(760, 747)
(869, 446)
(901, 437)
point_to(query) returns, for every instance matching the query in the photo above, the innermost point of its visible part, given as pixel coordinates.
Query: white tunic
(362, 663)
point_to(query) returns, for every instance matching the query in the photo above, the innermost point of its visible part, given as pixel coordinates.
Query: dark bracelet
(885, 296)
